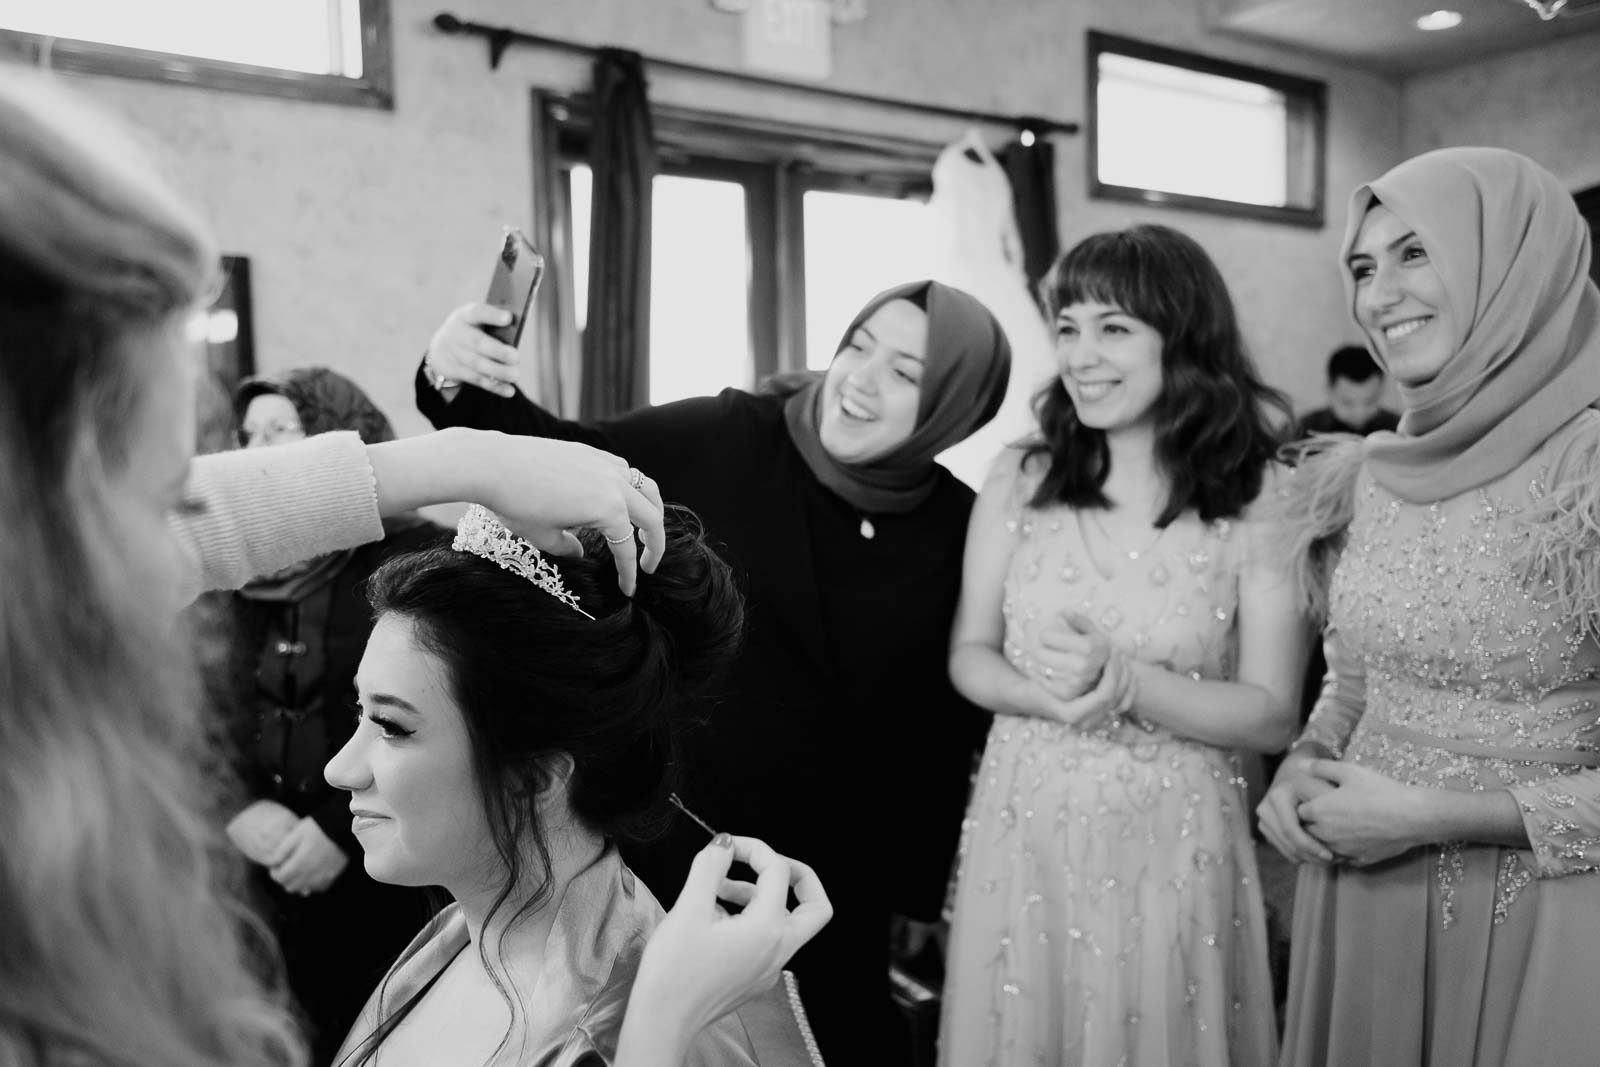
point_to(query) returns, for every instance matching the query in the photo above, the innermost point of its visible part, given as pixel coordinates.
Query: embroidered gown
(1449, 673)
(1107, 909)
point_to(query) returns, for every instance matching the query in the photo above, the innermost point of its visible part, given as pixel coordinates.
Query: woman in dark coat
(838, 735)
(285, 695)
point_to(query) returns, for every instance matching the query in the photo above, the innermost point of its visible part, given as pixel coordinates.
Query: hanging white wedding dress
(976, 248)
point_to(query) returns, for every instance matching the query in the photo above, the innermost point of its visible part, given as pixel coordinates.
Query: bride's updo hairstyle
(536, 679)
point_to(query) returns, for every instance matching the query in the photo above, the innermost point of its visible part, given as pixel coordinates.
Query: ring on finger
(635, 478)
(619, 540)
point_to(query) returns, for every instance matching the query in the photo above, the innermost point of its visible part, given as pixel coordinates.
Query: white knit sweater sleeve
(255, 511)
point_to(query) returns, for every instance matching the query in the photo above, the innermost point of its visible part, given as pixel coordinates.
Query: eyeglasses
(277, 432)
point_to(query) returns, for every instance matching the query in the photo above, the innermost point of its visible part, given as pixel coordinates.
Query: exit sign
(789, 37)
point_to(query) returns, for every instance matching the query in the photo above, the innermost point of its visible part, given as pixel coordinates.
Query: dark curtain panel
(1032, 172)
(622, 153)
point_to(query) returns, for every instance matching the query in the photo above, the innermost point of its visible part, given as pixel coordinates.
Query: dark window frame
(375, 87)
(776, 162)
(1308, 133)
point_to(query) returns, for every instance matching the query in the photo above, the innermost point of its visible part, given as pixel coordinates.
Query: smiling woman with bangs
(1119, 619)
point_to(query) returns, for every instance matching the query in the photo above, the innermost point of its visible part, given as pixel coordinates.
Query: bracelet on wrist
(435, 379)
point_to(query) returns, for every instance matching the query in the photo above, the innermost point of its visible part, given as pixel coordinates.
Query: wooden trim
(883, 164)
(559, 364)
(375, 87)
(791, 265)
(765, 301)
(1307, 147)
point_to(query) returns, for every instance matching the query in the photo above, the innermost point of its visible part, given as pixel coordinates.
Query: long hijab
(966, 366)
(1513, 254)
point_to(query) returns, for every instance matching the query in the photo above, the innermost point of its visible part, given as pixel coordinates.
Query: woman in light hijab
(1444, 800)
(824, 495)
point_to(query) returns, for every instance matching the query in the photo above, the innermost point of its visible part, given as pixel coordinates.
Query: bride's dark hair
(535, 679)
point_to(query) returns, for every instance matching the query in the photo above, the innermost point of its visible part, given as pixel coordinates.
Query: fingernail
(723, 840)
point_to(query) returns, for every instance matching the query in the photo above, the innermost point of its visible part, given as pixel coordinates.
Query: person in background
(824, 496)
(1121, 618)
(1443, 801)
(284, 689)
(119, 939)
(1355, 395)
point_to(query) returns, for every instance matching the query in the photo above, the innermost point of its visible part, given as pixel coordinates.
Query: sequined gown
(1449, 673)
(1107, 910)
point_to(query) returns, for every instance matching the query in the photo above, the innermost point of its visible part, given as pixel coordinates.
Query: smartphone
(517, 273)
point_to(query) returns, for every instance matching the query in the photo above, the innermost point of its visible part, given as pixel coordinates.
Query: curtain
(622, 154)
(1031, 170)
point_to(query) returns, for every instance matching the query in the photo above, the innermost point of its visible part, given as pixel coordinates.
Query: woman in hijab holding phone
(1444, 799)
(823, 494)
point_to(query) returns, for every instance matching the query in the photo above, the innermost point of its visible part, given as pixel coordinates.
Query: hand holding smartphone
(517, 272)
(453, 357)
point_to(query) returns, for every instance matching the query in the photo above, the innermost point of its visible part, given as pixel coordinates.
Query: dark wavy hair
(534, 679)
(1214, 434)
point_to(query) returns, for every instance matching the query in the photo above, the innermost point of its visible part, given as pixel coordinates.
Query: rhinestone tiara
(481, 533)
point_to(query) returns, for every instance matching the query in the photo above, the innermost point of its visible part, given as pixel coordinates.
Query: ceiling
(1382, 35)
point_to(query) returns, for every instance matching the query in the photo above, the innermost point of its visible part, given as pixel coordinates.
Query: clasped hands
(1328, 811)
(1077, 676)
(293, 849)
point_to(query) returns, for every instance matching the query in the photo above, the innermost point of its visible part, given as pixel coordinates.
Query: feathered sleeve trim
(1311, 511)
(1560, 556)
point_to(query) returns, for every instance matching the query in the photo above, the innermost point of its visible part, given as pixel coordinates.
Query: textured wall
(1540, 102)
(364, 227)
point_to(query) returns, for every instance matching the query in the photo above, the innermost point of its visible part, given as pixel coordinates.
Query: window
(699, 307)
(1175, 128)
(855, 246)
(765, 242)
(335, 50)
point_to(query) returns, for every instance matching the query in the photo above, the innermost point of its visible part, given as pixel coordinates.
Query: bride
(517, 719)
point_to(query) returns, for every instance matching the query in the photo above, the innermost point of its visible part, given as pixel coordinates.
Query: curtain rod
(502, 37)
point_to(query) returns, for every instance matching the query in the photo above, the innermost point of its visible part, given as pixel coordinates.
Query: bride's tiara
(481, 532)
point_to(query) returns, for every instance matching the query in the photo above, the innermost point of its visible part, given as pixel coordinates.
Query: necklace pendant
(868, 530)
(1133, 554)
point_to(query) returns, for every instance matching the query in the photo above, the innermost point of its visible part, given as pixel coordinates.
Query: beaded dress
(1449, 671)
(1107, 910)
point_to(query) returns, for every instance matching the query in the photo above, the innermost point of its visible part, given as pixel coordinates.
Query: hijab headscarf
(324, 400)
(966, 366)
(1512, 253)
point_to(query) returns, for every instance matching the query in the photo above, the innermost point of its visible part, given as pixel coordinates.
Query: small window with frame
(1173, 127)
(335, 51)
